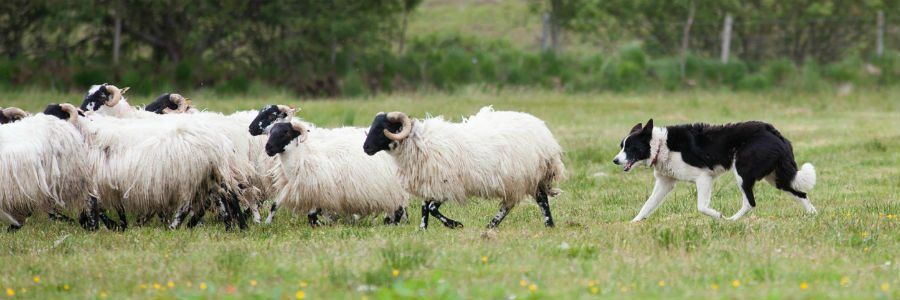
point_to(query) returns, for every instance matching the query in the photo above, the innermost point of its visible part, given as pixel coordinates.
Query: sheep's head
(170, 104)
(283, 134)
(386, 130)
(11, 114)
(102, 94)
(268, 116)
(63, 111)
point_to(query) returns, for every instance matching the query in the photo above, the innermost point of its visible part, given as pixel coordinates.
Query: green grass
(848, 250)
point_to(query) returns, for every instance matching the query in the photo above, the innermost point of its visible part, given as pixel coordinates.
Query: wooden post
(726, 38)
(545, 33)
(686, 37)
(879, 48)
(117, 39)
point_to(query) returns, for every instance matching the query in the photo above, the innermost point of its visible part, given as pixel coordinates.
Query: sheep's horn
(71, 109)
(14, 113)
(399, 117)
(299, 127)
(116, 95)
(287, 109)
(182, 102)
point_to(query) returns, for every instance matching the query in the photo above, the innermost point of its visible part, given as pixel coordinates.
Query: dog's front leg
(661, 188)
(704, 193)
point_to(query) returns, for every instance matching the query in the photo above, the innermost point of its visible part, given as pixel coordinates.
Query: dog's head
(635, 147)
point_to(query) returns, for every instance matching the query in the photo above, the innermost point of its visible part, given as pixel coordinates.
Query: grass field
(848, 250)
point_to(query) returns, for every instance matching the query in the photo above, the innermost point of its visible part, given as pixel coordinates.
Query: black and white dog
(701, 152)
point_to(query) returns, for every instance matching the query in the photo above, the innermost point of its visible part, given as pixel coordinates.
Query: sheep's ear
(636, 128)
(125, 89)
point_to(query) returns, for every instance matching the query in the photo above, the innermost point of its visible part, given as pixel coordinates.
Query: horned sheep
(507, 155)
(323, 169)
(154, 165)
(43, 167)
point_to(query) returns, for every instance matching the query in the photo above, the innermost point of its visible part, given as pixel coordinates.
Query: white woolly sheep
(43, 167)
(507, 155)
(149, 166)
(249, 147)
(108, 100)
(324, 169)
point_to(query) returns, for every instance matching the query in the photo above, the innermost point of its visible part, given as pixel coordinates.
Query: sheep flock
(105, 161)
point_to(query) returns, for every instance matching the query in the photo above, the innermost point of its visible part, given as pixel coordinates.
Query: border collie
(699, 153)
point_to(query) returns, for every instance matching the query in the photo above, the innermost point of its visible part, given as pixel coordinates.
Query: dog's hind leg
(661, 188)
(749, 202)
(800, 197)
(704, 195)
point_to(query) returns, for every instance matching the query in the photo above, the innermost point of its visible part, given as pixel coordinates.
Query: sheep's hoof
(453, 224)
(13, 228)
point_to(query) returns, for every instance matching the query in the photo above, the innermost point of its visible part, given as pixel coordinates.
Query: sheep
(147, 166)
(248, 147)
(43, 167)
(11, 114)
(494, 154)
(322, 169)
(108, 100)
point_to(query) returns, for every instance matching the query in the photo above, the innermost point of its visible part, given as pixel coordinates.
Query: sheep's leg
(13, 223)
(449, 223)
(107, 222)
(235, 204)
(396, 217)
(55, 215)
(223, 213)
(196, 217)
(123, 220)
(504, 210)
(89, 216)
(272, 211)
(424, 223)
(254, 209)
(543, 201)
(142, 220)
(179, 216)
(313, 217)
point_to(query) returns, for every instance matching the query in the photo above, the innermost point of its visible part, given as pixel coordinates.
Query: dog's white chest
(675, 167)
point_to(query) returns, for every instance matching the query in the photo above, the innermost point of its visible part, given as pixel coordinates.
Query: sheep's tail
(556, 172)
(805, 179)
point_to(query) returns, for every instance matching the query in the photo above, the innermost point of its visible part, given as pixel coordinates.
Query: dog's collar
(656, 157)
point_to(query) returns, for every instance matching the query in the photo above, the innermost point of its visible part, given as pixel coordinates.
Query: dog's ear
(636, 128)
(649, 128)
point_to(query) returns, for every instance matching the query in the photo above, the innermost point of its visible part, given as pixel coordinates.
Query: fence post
(686, 37)
(545, 33)
(879, 49)
(726, 38)
(117, 39)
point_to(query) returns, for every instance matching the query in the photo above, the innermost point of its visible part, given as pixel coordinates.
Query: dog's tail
(805, 179)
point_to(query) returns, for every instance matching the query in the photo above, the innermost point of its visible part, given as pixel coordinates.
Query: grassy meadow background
(848, 250)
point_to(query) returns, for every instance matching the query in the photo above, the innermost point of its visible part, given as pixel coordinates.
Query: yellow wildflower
(523, 283)
(203, 285)
(65, 287)
(532, 288)
(594, 290)
(845, 281)
(714, 287)
(170, 284)
(804, 286)
(484, 259)
(10, 292)
(662, 283)
(253, 282)
(885, 287)
(37, 279)
(736, 283)
(300, 295)
(395, 272)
